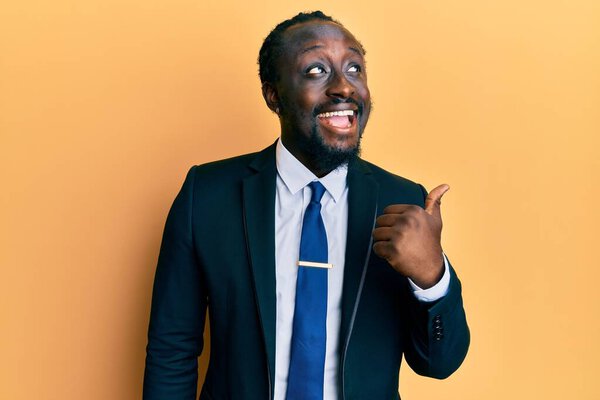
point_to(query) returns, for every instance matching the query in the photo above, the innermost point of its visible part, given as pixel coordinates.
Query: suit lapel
(362, 209)
(259, 220)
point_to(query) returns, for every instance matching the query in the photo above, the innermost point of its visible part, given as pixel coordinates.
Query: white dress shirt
(291, 199)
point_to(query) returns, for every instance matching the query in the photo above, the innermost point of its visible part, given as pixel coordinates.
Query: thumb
(434, 199)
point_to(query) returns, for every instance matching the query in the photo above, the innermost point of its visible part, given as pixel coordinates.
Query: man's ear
(271, 97)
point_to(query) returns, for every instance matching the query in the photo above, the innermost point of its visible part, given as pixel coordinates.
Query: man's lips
(342, 119)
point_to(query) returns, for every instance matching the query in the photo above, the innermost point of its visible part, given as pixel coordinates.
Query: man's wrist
(438, 290)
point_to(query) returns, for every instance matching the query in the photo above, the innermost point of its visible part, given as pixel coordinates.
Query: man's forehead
(306, 34)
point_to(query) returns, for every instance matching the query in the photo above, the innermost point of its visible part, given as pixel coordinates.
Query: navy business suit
(218, 251)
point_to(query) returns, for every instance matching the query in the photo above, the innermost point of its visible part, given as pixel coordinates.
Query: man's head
(313, 76)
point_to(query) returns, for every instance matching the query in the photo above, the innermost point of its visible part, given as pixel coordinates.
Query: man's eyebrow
(357, 51)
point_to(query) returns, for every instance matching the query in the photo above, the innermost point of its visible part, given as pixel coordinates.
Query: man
(320, 270)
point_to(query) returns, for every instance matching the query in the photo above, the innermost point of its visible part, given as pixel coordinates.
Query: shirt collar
(296, 176)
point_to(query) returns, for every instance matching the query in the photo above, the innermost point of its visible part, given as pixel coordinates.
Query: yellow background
(105, 104)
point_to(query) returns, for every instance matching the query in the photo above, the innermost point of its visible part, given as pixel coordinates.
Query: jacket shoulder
(234, 169)
(221, 169)
(395, 188)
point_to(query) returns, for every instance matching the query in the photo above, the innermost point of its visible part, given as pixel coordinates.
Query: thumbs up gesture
(409, 238)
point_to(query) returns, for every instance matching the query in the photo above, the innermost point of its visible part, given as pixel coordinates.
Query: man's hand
(409, 238)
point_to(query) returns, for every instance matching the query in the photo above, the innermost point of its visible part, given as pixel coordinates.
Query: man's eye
(315, 70)
(354, 68)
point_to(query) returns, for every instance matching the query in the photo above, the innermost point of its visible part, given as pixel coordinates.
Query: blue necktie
(307, 356)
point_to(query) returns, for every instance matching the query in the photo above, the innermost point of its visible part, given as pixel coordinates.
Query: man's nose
(340, 87)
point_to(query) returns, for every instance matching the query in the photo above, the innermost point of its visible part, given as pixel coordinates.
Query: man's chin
(329, 156)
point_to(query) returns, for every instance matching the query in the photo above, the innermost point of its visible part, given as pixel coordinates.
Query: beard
(325, 157)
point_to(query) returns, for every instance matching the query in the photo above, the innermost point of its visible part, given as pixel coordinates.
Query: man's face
(322, 93)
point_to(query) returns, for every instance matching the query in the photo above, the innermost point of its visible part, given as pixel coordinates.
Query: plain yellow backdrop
(105, 104)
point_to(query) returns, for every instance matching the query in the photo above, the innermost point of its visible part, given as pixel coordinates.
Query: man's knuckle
(388, 209)
(413, 209)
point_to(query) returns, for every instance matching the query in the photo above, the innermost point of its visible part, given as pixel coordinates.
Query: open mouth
(343, 119)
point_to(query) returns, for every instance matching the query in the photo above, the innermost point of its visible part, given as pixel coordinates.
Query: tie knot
(317, 191)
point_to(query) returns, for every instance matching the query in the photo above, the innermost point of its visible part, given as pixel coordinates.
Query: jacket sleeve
(179, 301)
(436, 333)
(436, 336)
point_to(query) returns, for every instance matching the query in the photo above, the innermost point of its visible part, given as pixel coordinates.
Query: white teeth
(336, 114)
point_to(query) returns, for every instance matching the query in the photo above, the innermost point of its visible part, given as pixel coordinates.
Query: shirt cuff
(435, 292)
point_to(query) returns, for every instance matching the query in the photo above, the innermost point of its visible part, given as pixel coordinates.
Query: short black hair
(272, 46)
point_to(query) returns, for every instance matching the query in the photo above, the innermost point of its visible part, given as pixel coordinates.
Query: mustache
(322, 107)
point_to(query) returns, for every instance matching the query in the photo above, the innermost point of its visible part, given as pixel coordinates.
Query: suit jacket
(218, 252)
